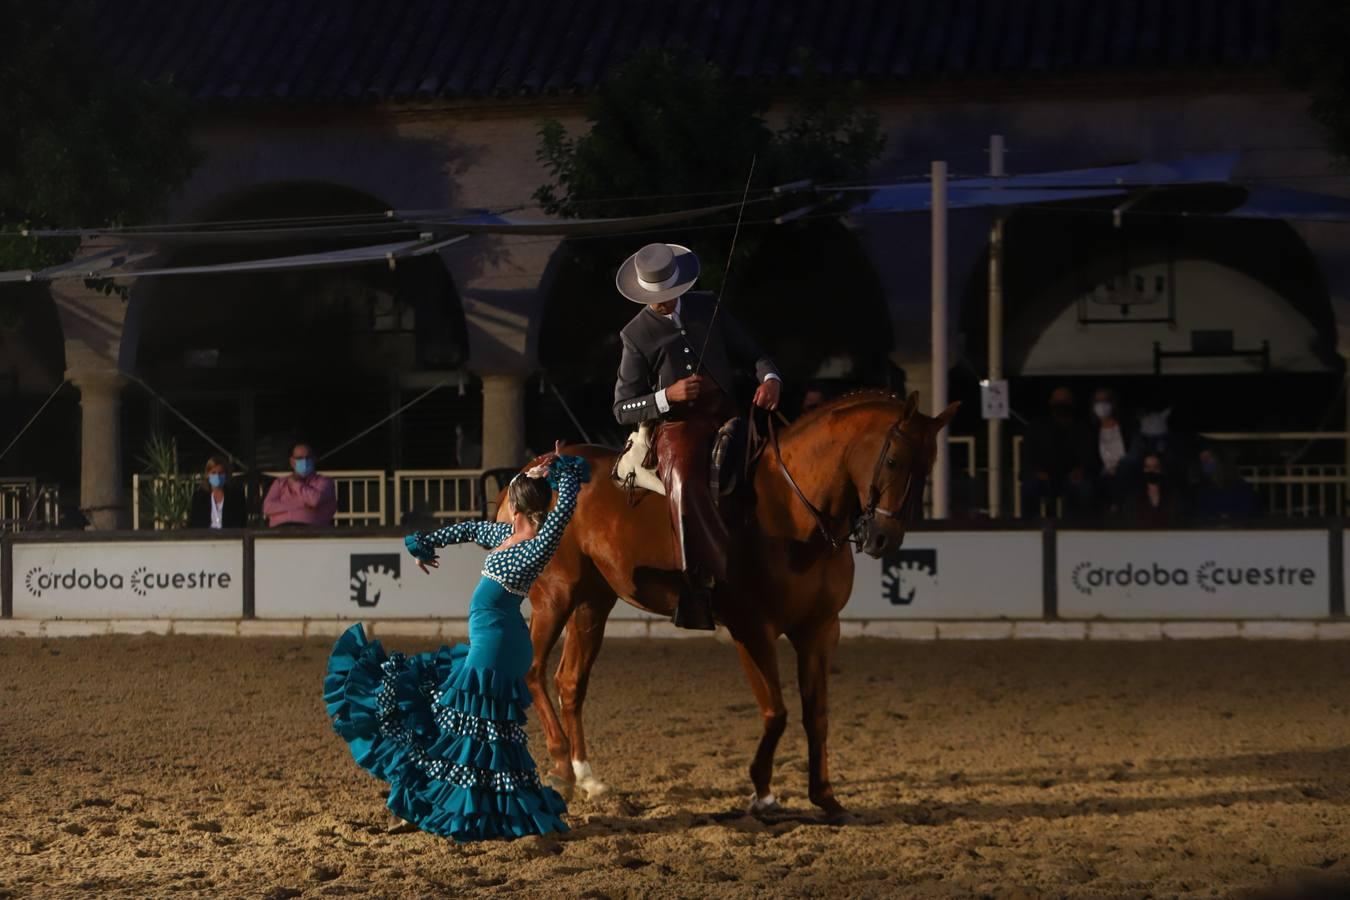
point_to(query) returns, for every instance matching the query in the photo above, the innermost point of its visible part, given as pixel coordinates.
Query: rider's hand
(766, 397)
(433, 563)
(686, 389)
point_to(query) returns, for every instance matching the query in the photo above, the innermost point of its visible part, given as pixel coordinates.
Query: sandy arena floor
(145, 766)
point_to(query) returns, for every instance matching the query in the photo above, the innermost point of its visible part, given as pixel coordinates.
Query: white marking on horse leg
(589, 785)
(767, 803)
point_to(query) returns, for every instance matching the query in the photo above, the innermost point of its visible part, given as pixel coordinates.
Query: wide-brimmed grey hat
(657, 273)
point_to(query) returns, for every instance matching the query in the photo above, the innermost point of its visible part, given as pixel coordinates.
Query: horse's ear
(944, 417)
(911, 405)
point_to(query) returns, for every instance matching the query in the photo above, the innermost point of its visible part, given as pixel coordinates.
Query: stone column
(503, 421)
(102, 496)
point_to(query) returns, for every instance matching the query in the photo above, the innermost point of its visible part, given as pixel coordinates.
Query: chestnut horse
(854, 466)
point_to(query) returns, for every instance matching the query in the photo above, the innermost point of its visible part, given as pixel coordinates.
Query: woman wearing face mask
(219, 502)
(1154, 501)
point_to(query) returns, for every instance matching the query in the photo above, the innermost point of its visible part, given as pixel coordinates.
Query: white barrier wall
(1236, 574)
(359, 578)
(952, 575)
(995, 574)
(128, 579)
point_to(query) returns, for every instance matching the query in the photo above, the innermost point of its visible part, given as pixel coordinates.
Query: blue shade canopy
(919, 197)
(1212, 168)
(1051, 187)
(1286, 203)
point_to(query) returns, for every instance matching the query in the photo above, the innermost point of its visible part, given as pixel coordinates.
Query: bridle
(904, 512)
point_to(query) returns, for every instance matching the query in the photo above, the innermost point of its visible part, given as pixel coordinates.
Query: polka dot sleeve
(424, 544)
(516, 567)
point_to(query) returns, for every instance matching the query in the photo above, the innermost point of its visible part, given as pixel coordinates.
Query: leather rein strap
(903, 512)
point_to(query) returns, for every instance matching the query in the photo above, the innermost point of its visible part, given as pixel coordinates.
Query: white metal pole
(995, 437)
(939, 279)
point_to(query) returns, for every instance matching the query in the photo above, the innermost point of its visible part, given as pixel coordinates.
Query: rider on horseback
(679, 369)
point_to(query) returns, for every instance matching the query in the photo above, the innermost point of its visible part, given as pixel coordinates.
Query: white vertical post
(995, 436)
(939, 280)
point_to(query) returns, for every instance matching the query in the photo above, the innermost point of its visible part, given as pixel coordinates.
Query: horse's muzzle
(876, 540)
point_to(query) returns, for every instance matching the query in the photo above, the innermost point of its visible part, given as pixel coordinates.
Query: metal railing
(363, 495)
(1295, 490)
(370, 497)
(26, 505)
(444, 495)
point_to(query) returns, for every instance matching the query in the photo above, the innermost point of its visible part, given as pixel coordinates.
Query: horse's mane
(844, 401)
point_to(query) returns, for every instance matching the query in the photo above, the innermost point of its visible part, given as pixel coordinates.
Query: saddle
(734, 451)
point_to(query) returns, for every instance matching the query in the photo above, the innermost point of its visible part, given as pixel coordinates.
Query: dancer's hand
(434, 563)
(541, 470)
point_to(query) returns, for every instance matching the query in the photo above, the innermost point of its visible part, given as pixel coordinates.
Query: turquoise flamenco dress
(446, 729)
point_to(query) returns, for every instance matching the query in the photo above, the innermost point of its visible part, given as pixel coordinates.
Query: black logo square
(905, 573)
(371, 575)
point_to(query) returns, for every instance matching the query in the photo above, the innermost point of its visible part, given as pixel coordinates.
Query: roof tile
(308, 51)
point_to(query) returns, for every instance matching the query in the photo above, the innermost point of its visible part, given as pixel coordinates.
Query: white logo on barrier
(1209, 576)
(142, 580)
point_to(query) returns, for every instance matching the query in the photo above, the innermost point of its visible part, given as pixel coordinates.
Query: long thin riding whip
(740, 213)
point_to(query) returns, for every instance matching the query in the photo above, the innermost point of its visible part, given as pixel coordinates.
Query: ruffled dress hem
(447, 737)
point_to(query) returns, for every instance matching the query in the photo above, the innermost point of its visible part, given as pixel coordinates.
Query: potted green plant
(168, 491)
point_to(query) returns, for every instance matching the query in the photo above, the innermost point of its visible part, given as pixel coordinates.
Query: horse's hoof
(766, 804)
(837, 815)
(592, 788)
(561, 785)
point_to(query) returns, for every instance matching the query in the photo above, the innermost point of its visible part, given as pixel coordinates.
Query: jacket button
(687, 350)
(682, 331)
(689, 367)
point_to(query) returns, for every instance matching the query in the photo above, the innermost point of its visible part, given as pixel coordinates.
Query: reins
(903, 512)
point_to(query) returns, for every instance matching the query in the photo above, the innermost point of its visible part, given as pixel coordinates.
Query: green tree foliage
(81, 143)
(1316, 57)
(667, 133)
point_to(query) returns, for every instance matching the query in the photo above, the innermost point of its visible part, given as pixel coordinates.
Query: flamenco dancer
(446, 729)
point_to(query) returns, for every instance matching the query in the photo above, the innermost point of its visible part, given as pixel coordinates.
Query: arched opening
(808, 292)
(1085, 303)
(260, 359)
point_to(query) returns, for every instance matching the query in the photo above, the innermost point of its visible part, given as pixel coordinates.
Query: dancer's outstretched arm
(566, 474)
(424, 544)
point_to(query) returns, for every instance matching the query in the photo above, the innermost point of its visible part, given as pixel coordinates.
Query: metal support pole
(939, 280)
(1345, 499)
(995, 436)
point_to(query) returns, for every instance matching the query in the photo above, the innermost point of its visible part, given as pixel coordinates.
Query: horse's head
(891, 486)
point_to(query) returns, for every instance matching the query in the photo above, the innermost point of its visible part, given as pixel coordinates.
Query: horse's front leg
(585, 633)
(760, 661)
(815, 645)
(550, 607)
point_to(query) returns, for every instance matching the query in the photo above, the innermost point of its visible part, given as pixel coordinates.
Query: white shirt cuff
(661, 402)
(772, 376)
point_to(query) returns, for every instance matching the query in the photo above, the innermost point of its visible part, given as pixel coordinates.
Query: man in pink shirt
(302, 498)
